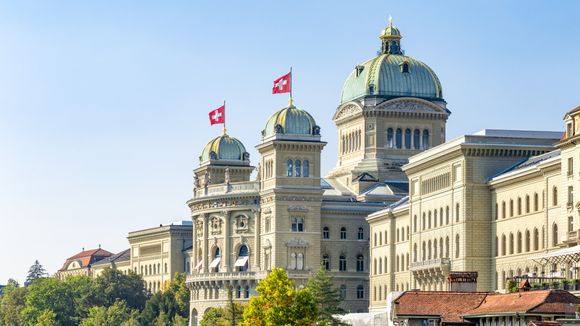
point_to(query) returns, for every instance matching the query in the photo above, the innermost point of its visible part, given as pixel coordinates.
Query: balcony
(219, 277)
(439, 264)
(226, 189)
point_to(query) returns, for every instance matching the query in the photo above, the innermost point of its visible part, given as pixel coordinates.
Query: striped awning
(569, 255)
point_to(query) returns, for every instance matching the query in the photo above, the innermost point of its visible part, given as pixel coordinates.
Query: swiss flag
(218, 115)
(283, 84)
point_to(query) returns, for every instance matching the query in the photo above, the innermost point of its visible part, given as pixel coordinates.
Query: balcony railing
(431, 264)
(222, 189)
(202, 277)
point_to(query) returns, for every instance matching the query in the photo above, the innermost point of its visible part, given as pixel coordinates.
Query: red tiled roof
(546, 301)
(86, 257)
(449, 305)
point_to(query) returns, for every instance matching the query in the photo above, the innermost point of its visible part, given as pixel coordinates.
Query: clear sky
(103, 104)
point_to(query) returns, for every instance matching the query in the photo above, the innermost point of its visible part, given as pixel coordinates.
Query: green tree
(180, 292)
(12, 302)
(327, 298)
(214, 317)
(112, 285)
(172, 302)
(35, 272)
(85, 295)
(46, 318)
(49, 294)
(116, 315)
(279, 303)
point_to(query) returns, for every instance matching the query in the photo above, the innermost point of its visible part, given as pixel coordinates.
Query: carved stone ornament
(316, 130)
(279, 129)
(347, 111)
(212, 155)
(246, 156)
(216, 225)
(297, 243)
(301, 209)
(407, 106)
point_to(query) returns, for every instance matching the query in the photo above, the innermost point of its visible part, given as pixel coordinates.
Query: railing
(573, 235)
(222, 189)
(220, 276)
(431, 263)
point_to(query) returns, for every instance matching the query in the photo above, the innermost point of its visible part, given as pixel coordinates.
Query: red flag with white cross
(283, 84)
(218, 115)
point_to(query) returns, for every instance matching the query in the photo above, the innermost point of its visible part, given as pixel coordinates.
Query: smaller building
(482, 308)
(121, 261)
(81, 263)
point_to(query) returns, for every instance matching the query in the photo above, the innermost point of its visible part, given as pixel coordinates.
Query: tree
(116, 315)
(46, 318)
(279, 303)
(214, 317)
(12, 302)
(35, 272)
(327, 298)
(173, 302)
(49, 294)
(112, 285)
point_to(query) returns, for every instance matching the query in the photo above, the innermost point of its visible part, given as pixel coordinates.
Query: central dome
(392, 74)
(291, 121)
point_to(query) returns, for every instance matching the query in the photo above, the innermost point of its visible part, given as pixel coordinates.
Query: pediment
(411, 105)
(349, 109)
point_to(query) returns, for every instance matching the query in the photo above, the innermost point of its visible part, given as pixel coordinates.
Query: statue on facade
(227, 176)
(259, 173)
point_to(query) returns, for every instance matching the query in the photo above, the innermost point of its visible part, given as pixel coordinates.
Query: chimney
(462, 282)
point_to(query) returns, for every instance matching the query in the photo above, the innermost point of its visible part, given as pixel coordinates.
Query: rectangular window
(570, 166)
(570, 196)
(570, 223)
(297, 225)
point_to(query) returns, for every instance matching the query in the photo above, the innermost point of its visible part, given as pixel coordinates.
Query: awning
(215, 262)
(199, 264)
(241, 262)
(569, 255)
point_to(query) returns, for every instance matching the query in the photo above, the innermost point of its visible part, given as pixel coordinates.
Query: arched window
(423, 224)
(554, 235)
(429, 250)
(435, 249)
(342, 263)
(300, 261)
(408, 138)
(360, 263)
(381, 239)
(503, 211)
(343, 292)
(426, 142)
(298, 168)
(360, 234)
(385, 265)
(165, 268)
(343, 233)
(360, 292)
(326, 234)
(375, 266)
(306, 169)
(528, 241)
(441, 216)
(247, 291)
(415, 223)
(511, 207)
(435, 218)
(216, 260)
(429, 220)
(503, 245)
(289, 167)
(527, 204)
(239, 291)
(242, 261)
(511, 243)
(447, 247)
(457, 246)
(496, 211)
(519, 243)
(447, 215)
(536, 206)
(390, 138)
(380, 265)
(326, 262)
(457, 212)
(441, 247)
(536, 239)
(416, 139)
(399, 138)
(555, 196)
(496, 246)
(424, 252)
(415, 252)
(519, 206)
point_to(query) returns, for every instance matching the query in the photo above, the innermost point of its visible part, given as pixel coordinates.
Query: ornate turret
(391, 39)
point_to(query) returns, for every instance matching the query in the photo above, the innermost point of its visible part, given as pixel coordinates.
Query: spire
(391, 39)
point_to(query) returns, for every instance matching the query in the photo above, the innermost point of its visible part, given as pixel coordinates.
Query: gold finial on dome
(390, 21)
(290, 102)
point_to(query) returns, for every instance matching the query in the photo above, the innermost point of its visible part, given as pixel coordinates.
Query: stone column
(226, 249)
(257, 244)
(194, 258)
(205, 239)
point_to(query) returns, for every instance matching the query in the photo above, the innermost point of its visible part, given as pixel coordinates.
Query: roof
(87, 257)
(291, 121)
(122, 256)
(545, 301)
(528, 164)
(224, 147)
(448, 305)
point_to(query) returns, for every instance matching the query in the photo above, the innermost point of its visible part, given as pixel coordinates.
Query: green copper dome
(224, 147)
(291, 121)
(392, 74)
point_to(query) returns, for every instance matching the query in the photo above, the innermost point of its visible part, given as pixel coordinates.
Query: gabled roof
(87, 257)
(546, 301)
(529, 163)
(122, 256)
(447, 305)
(365, 177)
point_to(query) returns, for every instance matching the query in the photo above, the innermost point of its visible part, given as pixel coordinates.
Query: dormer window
(405, 67)
(359, 70)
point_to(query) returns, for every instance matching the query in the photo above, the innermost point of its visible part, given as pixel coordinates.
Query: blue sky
(103, 104)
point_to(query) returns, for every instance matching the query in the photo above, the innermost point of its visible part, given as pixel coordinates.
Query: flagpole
(291, 82)
(224, 117)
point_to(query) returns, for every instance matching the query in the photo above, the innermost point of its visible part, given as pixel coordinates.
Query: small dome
(224, 147)
(291, 121)
(391, 31)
